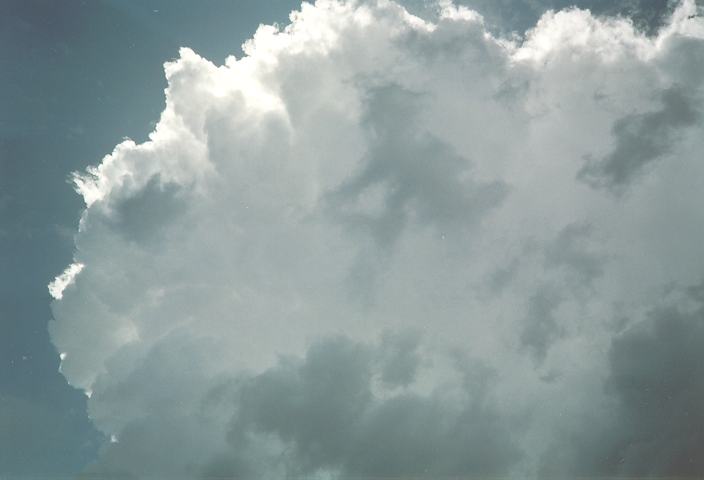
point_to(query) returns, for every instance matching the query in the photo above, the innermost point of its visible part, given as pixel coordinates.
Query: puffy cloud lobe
(325, 410)
(365, 171)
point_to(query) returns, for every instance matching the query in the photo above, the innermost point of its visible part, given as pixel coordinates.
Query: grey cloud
(399, 357)
(572, 253)
(143, 217)
(642, 138)
(657, 374)
(575, 264)
(502, 276)
(171, 427)
(652, 420)
(152, 447)
(419, 176)
(326, 412)
(571, 250)
(540, 327)
(686, 61)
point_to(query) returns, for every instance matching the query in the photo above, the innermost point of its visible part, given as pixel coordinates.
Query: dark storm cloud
(643, 138)
(325, 410)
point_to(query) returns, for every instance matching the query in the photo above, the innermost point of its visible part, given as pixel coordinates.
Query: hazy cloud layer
(379, 245)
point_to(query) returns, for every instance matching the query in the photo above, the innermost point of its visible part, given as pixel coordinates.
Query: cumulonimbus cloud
(379, 245)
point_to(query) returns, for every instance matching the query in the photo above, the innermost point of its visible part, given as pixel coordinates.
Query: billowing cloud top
(383, 245)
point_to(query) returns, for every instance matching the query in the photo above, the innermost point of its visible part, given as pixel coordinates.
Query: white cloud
(59, 284)
(364, 171)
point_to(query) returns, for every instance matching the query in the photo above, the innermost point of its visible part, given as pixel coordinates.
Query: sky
(367, 239)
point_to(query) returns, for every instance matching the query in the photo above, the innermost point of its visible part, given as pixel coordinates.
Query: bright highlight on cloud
(380, 245)
(57, 287)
